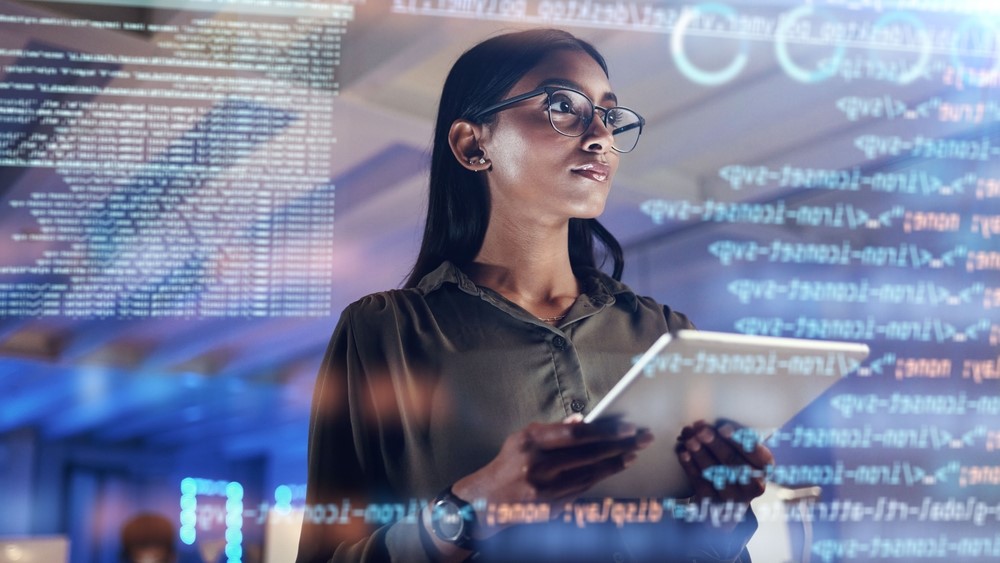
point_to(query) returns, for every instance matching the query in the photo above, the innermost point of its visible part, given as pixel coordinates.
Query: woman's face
(538, 175)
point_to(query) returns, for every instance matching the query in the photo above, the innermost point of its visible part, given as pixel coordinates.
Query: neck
(528, 266)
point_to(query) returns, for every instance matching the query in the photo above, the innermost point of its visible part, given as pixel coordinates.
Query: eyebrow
(608, 96)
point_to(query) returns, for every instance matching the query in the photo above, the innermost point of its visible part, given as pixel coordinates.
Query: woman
(468, 385)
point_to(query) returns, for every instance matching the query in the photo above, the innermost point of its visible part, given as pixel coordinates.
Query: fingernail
(625, 430)
(685, 457)
(727, 430)
(629, 459)
(693, 445)
(706, 436)
(644, 440)
(575, 417)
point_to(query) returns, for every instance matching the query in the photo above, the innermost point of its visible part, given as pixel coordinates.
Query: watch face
(448, 521)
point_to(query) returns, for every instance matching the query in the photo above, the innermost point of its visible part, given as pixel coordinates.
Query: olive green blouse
(420, 387)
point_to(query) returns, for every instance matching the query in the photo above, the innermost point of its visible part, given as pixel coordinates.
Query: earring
(480, 160)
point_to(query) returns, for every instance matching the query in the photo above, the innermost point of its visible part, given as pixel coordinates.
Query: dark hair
(458, 210)
(146, 530)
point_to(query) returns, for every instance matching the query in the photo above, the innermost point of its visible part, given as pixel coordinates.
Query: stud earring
(480, 160)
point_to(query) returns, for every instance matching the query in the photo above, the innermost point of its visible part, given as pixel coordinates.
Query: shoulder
(385, 307)
(383, 301)
(374, 325)
(675, 319)
(640, 304)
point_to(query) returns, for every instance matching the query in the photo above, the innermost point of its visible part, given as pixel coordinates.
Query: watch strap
(464, 539)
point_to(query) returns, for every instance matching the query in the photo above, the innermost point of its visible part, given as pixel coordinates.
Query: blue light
(234, 490)
(963, 28)
(793, 70)
(684, 64)
(283, 494)
(234, 536)
(187, 535)
(922, 34)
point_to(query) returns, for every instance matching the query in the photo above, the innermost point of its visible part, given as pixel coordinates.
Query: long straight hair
(458, 209)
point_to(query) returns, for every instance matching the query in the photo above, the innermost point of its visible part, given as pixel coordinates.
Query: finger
(699, 448)
(744, 491)
(552, 463)
(701, 458)
(759, 456)
(575, 482)
(689, 431)
(685, 434)
(747, 483)
(702, 487)
(560, 435)
(752, 490)
(746, 438)
(710, 454)
(760, 459)
(724, 451)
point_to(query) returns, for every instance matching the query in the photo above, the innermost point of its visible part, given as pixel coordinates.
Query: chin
(590, 212)
(588, 205)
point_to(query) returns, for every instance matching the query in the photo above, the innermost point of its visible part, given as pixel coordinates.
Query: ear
(463, 138)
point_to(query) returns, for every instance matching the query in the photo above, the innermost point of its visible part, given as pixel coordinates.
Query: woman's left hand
(743, 464)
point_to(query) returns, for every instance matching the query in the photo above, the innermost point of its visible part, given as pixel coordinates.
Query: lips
(597, 171)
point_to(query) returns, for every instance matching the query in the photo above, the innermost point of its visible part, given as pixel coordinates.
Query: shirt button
(559, 342)
(577, 405)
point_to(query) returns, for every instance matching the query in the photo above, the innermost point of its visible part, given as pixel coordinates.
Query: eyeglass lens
(571, 113)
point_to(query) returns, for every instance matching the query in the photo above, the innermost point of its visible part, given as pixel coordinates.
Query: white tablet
(758, 381)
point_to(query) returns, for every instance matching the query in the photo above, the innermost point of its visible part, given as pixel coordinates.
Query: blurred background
(191, 192)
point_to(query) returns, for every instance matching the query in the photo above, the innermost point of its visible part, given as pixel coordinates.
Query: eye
(563, 102)
(617, 117)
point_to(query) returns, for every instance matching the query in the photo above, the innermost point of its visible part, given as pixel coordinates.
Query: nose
(598, 137)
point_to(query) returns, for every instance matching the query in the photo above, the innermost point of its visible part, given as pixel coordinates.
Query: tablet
(760, 382)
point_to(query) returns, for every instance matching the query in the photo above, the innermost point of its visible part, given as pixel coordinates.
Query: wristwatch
(453, 520)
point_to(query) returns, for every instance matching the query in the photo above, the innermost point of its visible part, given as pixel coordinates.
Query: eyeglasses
(571, 112)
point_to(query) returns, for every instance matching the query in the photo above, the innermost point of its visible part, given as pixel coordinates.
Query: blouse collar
(601, 288)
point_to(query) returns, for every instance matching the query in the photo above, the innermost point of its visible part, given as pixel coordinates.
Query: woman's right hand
(552, 463)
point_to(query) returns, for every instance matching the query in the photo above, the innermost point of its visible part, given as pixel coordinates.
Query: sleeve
(345, 476)
(715, 546)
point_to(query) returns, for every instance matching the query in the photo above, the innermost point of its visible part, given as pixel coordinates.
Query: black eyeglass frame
(548, 91)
